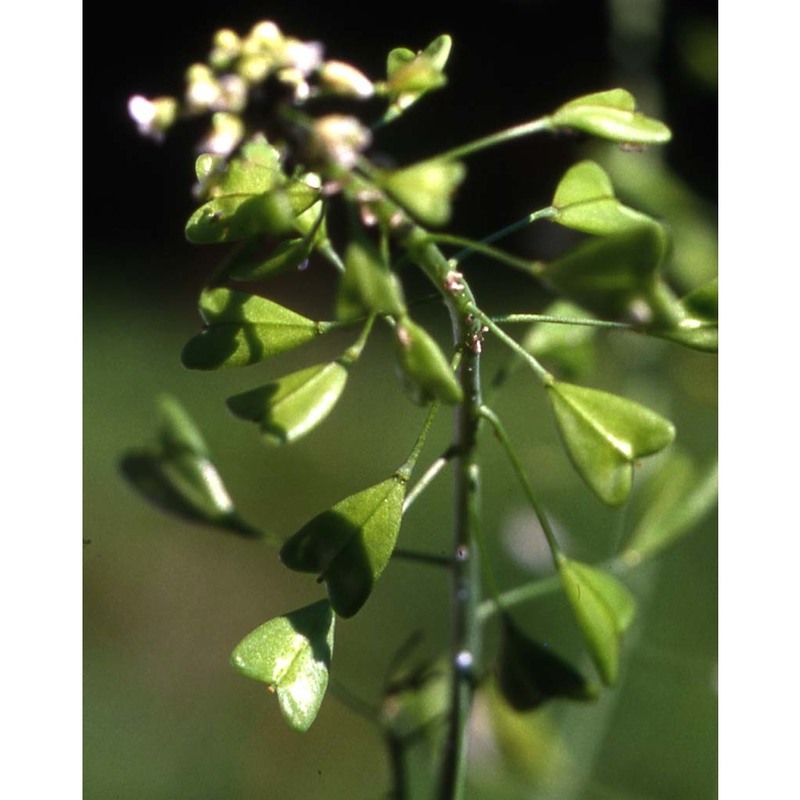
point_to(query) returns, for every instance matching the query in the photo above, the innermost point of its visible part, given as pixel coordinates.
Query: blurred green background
(165, 603)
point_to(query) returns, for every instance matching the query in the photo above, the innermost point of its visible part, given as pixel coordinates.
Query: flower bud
(339, 139)
(265, 34)
(227, 47)
(254, 68)
(345, 80)
(226, 132)
(202, 90)
(233, 94)
(305, 57)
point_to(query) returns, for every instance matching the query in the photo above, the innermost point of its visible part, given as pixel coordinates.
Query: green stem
(515, 132)
(427, 478)
(520, 594)
(465, 583)
(593, 323)
(488, 572)
(543, 374)
(326, 326)
(465, 567)
(535, 589)
(353, 353)
(408, 467)
(423, 558)
(325, 249)
(544, 213)
(502, 436)
(470, 245)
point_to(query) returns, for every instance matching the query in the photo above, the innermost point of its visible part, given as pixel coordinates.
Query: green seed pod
(424, 363)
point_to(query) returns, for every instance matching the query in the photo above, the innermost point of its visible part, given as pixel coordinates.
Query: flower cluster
(236, 65)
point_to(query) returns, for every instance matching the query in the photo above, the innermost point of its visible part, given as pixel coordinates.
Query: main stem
(465, 585)
(467, 328)
(465, 643)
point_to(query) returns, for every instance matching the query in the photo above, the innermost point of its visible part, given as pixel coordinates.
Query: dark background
(512, 60)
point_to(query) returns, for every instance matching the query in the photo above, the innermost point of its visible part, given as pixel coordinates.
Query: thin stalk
(515, 132)
(491, 252)
(353, 353)
(422, 558)
(543, 374)
(519, 594)
(544, 213)
(427, 478)
(552, 583)
(408, 467)
(502, 436)
(488, 572)
(592, 323)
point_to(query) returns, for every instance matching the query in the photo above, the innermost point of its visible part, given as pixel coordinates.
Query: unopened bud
(346, 80)
(226, 39)
(226, 132)
(202, 91)
(254, 68)
(339, 139)
(266, 33)
(233, 91)
(227, 46)
(302, 56)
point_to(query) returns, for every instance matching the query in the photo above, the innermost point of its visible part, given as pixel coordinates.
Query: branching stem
(472, 246)
(427, 478)
(515, 132)
(502, 437)
(543, 213)
(543, 374)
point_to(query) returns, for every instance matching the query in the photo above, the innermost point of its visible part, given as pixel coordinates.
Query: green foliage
(412, 75)
(570, 348)
(676, 499)
(605, 435)
(292, 655)
(585, 201)
(350, 545)
(242, 329)
(425, 189)
(290, 407)
(424, 363)
(604, 609)
(698, 325)
(611, 115)
(179, 475)
(271, 192)
(529, 673)
(368, 286)
(614, 276)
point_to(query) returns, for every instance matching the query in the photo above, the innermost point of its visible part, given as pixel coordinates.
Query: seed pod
(424, 363)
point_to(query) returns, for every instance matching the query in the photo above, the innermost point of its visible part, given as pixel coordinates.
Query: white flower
(143, 112)
(305, 57)
(152, 117)
(341, 138)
